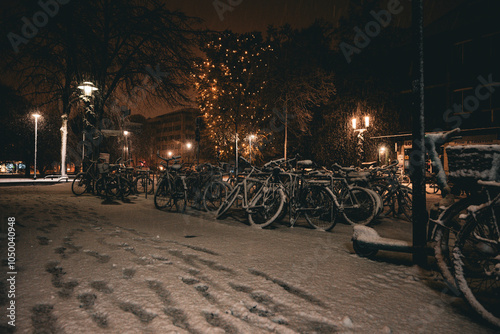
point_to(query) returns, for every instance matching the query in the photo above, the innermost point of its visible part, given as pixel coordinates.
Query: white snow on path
(87, 267)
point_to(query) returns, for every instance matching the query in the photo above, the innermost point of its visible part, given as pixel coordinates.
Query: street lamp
(188, 146)
(250, 138)
(360, 136)
(125, 144)
(381, 151)
(88, 88)
(36, 115)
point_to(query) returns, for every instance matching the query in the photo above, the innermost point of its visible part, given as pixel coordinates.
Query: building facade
(174, 133)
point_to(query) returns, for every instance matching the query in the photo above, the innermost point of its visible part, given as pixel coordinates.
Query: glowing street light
(88, 88)
(361, 138)
(250, 138)
(189, 146)
(36, 115)
(381, 151)
(125, 144)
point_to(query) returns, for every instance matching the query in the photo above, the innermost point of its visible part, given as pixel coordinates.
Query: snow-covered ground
(87, 266)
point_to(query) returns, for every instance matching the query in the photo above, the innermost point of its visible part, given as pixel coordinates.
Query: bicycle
(476, 255)
(85, 181)
(142, 179)
(171, 191)
(476, 251)
(310, 195)
(112, 183)
(262, 197)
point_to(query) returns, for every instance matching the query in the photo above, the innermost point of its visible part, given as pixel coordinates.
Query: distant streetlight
(169, 153)
(360, 136)
(381, 151)
(36, 115)
(250, 138)
(88, 88)
(189, 146)
(125, 144)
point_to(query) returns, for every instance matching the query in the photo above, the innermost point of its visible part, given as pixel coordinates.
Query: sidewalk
(49, 179)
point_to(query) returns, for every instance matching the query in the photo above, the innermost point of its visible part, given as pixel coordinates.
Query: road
(85, 265)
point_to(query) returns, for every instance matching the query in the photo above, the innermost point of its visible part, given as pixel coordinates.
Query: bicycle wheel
(112, 186)
(431, 187)
(126, 187)
(320, 210)
(141, 183)
(178, 195)
(358, 205)
(476, 258)
(228, 203)
(161, 198)
(378, 200)
(100, 187)
(80, 184)
(450, 221)
(404, 203)
(388, 199)
(266, 206)
(214, 195)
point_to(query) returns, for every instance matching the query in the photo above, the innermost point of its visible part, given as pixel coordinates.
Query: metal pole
(419, 210)
(250, 138)
(36, 139)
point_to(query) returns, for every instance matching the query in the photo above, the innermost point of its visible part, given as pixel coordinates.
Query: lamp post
(381, 151)
(88, 88)
(250, 138)
(125, 144)
(360, 136)
(36, 115)
(188, 146)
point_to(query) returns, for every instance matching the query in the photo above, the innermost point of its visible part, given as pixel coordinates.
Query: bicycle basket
(103, 168)
(470, 163)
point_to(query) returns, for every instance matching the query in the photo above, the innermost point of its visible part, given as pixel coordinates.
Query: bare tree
(138, 50)
(298, 81)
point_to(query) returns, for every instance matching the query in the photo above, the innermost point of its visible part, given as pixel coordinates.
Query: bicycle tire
(358, 206)
(378, 200)
(179, 195)
(126, 187)
(387, 197)
(80, 184)
(141, 183)
(445, 234)
(100, 187)
(214, 195)
(431, 188)
(228, 203)
(404, 202)
(321, 200)
(161, 198)
(476, 264)
(266, 206)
